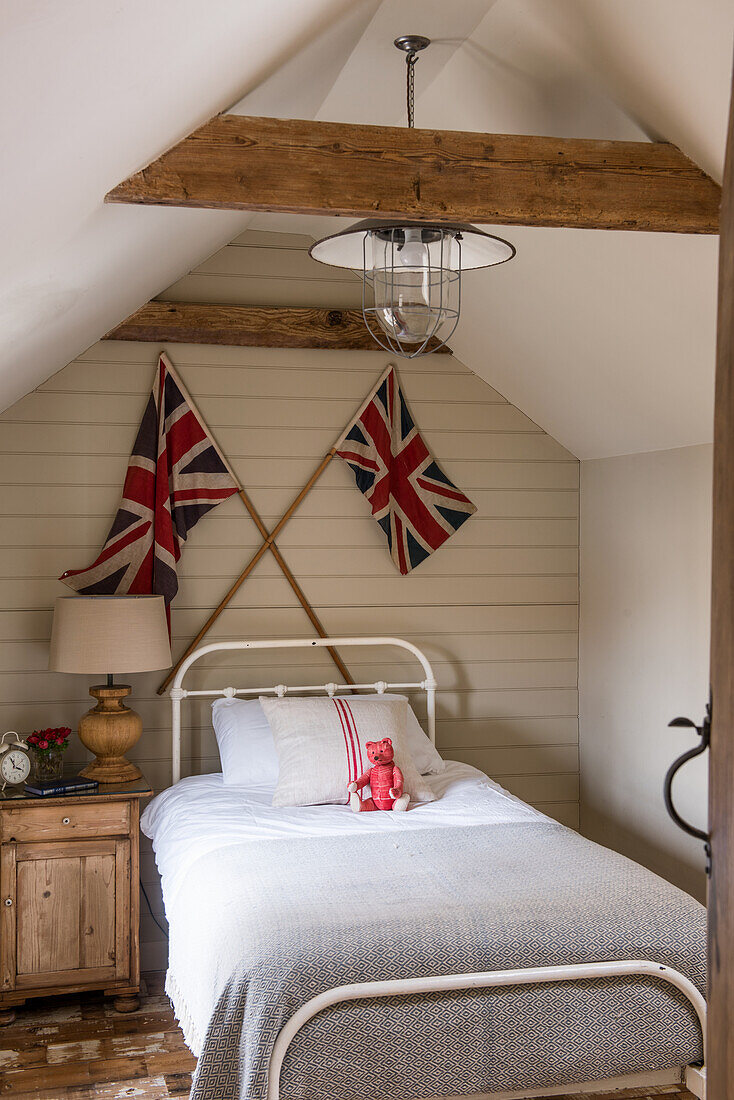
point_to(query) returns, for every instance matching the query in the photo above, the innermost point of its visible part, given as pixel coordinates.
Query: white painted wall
(645, 547)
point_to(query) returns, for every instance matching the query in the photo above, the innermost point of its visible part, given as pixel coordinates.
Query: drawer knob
(65, 821)
(8, 901)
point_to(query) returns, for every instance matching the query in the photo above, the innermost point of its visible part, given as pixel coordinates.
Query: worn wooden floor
(79, 1048)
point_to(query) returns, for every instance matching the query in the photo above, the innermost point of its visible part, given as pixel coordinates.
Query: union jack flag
(412, 499)
(174, 477)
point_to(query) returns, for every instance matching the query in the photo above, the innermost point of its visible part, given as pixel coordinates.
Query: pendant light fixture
(411, 270)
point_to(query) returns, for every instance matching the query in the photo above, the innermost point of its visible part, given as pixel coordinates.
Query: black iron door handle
(704, 732)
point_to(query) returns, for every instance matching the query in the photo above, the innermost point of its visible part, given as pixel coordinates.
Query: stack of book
(71, 785)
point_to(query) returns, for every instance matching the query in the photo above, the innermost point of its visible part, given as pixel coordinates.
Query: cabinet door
(70, 903)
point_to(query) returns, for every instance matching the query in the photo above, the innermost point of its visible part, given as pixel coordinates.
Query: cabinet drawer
(61, 822)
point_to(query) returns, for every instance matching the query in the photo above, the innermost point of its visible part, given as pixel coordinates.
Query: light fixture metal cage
(399, 301)
(409, 308)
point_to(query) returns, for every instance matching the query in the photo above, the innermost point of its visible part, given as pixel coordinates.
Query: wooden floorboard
(79, 1048)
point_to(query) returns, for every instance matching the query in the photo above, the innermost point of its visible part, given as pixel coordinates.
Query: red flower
(52, 738)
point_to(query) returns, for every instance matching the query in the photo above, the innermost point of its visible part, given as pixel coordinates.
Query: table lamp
(109, 634)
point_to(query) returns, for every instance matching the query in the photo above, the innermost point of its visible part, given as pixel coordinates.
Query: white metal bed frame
(694, 1077)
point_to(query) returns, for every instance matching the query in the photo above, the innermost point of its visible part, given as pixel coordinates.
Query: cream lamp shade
(108, 634)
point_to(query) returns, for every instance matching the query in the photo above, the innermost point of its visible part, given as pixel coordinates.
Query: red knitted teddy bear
(385, 779)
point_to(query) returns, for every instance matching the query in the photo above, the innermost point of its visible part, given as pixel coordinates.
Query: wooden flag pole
(295, 585)
(268, 544)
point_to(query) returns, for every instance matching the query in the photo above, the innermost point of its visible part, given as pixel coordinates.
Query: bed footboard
(695, 1076)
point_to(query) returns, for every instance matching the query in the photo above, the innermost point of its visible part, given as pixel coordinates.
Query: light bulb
(404, 304)
(414, 253)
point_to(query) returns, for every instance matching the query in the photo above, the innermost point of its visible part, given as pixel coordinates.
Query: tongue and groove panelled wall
(495, 609)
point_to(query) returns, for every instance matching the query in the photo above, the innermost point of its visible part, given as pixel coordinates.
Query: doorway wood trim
(721, 762)
(292, 165)
(250, 326)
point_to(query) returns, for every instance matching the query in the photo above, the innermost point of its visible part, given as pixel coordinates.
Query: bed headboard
(178, 692)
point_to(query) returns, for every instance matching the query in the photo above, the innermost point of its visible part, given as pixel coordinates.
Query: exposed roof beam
(288, 165)
(247, 326)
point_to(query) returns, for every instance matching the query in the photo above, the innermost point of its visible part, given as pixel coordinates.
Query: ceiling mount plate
(412, 43)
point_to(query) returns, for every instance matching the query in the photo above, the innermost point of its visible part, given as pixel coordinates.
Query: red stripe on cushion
(343, 711)
(350, 713)
(346, 739)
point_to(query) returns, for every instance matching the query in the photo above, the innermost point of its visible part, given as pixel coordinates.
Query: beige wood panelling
(267, 413)
(332, 501)
(315, 561)
(284, 622)
(53, 469)
(32, 655)
(79, 437)
(252, 272)
(272, 380)
(495, 609)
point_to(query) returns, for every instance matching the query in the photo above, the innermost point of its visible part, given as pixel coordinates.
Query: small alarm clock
(15, 763)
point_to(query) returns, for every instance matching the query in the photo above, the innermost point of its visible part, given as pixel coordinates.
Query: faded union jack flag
(174, 477)
(412, 499)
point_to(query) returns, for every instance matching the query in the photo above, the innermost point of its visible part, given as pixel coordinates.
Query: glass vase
(47, 766)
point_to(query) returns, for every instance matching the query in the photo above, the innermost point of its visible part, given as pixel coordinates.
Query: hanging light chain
(410, 61)
(411, 45)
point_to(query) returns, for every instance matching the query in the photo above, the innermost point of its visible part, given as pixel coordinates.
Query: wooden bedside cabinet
(69, 897)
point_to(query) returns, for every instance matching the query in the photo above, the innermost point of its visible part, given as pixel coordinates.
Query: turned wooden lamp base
(110, 730)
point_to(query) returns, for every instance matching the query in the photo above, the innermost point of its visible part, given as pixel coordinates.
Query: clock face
(15, 766)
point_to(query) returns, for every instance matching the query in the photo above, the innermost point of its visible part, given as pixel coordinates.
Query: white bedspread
(269, 907)
(200, 815)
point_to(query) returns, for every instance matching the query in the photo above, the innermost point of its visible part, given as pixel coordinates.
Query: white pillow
(321, 746)
(247, 749)
(425, 756)
(245, 742)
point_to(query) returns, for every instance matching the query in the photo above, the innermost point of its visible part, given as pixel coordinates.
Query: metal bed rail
(695, 1076)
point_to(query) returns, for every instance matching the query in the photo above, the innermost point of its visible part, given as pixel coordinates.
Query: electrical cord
(150, 910)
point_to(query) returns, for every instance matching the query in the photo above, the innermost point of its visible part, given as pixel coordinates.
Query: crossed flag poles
(269, 544)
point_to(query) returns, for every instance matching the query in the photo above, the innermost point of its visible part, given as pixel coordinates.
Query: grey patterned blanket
(260, 928)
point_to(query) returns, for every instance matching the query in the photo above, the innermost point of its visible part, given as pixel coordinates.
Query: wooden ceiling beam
(248, 326)
(239, 163)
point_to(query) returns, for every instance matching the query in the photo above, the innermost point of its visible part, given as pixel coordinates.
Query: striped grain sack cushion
(321, 746)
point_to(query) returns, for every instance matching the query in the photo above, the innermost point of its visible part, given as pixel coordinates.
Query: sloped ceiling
(605, 339)
(92, 90)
